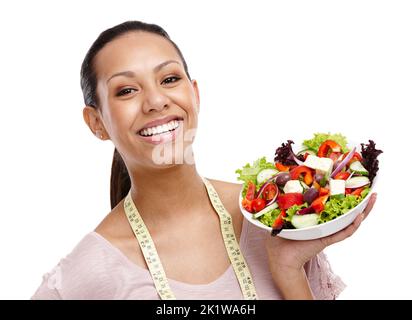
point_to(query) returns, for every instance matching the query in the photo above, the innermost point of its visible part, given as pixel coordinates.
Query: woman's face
(141, 79)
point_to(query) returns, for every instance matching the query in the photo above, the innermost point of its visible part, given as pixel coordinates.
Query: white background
(267, 71)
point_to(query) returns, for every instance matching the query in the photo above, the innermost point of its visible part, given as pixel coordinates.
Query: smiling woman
(171, 233)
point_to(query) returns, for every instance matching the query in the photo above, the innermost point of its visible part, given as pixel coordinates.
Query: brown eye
(171, 80)
(125, 91)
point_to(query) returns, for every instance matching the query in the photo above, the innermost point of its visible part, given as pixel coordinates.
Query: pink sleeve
(48, 289)
(324, 283)
(88, 272)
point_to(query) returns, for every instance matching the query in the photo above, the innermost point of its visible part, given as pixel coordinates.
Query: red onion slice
(300, 163)
(343, 163)
(263, 187)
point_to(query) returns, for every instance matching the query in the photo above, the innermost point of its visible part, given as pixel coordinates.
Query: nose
(155, 100)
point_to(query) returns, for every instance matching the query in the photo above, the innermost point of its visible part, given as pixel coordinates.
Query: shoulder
(115, 228)
(82, 273)
(227, 190)
(229, 195)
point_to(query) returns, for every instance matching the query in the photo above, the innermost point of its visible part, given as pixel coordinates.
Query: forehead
(136, 51)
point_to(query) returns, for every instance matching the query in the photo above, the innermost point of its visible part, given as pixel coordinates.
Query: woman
(138, 93)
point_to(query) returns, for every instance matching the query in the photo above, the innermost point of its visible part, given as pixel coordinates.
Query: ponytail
(119, 180)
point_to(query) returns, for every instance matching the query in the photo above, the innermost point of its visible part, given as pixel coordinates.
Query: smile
(157, 130)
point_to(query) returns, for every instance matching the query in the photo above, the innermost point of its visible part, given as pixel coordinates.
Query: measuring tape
(153, 261)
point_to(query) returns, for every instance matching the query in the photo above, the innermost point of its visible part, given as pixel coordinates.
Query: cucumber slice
(357, 167)
(265, 210)
(357, 182)
(307, 151)
(305, 220)
(265, 174)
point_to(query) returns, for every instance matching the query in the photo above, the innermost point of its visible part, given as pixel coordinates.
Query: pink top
(96, 269)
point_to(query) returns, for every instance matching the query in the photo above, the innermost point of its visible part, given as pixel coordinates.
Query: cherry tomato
(258, 204)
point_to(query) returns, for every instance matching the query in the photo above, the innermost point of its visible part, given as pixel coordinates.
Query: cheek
(187, 101)
(120, 119)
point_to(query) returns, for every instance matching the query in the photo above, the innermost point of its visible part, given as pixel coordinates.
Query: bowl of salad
(311, 192)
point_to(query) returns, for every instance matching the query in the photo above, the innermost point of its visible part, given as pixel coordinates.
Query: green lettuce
(319, 138)
(269, 217)
(337, 206)
(292, 211)
(250, 172)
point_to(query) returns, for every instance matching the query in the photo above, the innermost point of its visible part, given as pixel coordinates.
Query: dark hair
(120, 179)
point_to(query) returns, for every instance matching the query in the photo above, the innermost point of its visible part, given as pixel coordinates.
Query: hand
(291, 255)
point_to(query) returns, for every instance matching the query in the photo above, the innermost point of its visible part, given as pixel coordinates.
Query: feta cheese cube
(337, 186)
(323, 165)
(293, 186)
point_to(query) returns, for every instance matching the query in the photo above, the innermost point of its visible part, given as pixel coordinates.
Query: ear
(93, 119)
(196, 89)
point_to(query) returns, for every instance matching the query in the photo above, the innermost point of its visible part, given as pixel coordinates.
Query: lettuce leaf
(337, 206)
(370, 158)
(319, 138)
(250, 172)
(269, 217)
(285, 155)
(292, 211)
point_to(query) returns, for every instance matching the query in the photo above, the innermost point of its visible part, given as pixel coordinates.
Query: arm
(292, 284)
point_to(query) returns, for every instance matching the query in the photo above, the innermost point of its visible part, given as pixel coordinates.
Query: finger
(345, 233)
(370, 205)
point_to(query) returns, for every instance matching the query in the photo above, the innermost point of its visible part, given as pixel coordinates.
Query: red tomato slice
(250, 193)
(258, 204)
(269, 192)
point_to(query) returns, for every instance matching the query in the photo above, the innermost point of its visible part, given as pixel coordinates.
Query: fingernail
(362, 216)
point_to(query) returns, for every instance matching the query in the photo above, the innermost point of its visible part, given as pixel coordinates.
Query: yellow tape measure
(232, 247)
(153, 261)
(148, 249)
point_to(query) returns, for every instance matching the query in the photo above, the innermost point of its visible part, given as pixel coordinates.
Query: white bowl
(320, 230)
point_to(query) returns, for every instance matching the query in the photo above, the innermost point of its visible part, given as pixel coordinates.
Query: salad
(317, 184)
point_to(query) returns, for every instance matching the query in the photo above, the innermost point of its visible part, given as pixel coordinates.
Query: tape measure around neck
(148, 249)
(237, 260)
(153, 261)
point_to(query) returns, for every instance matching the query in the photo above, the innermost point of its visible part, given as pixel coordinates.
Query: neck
(169, 192)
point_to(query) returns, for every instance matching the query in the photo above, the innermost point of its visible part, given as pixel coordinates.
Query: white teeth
(160, 129)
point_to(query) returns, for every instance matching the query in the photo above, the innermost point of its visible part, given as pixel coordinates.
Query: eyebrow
(131, 74)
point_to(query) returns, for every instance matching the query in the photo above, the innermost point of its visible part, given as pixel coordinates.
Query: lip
(160, 121)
